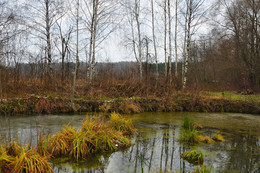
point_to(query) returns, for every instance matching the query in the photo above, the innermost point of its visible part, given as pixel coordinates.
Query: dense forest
(57, 45)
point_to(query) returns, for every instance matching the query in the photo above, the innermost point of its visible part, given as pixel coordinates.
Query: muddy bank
(55, 105)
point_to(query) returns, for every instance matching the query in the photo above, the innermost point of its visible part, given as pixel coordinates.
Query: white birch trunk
(154, 41)
(187, 57)
(170, 43)
(165, 37)
(176, 38)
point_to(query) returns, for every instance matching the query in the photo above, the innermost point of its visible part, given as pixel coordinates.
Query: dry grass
(14, 158)
(218, 138)
(122, 124)
(95, 136)
(204, 139)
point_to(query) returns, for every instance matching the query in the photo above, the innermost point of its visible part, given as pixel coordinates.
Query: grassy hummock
(193, 157)
(15, 158)
(95, 136)
(190, 133)
(218, 138)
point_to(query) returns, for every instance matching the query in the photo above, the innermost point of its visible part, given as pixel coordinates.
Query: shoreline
(179, 103)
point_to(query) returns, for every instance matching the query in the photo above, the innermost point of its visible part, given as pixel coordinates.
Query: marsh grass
(193, 157)
(18, 159)
(13, 149)
(203, 169)
(190, 136)
(188, 124)
(190, 133)
(122, 124)
(95, 136)
(204, 139)
(218, 138)
(30, 161)
(60, 143)
(6, 161)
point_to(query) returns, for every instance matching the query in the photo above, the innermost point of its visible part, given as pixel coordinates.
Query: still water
(157, 145)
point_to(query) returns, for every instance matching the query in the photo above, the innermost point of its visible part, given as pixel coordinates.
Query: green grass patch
(233, 96)
(193, 157)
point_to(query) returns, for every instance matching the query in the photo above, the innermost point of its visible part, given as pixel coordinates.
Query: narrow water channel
(157, 146)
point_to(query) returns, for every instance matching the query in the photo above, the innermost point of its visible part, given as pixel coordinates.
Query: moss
(204, 139)
(218, 138)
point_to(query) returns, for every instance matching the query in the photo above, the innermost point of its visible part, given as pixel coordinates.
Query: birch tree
(176, 37)
(100, 18)
(170, 42)
(192, 20)
(133, 18)
(41, 18)
(165, 38)
(154, 39)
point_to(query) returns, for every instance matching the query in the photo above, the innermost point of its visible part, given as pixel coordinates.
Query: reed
(82, 145)
(42, 146)
(6, 161)
(188, 124)
(190, 136)
(30, 161)
(13, 149)
(18, 159)
(122, 124)
(60, 143)
(94, 137)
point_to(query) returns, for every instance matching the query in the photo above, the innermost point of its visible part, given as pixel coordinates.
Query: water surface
(157, 146)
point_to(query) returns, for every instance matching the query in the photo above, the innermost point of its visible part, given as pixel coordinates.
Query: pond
(157, 145)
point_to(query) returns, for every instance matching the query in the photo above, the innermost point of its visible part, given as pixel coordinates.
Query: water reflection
(156, 146)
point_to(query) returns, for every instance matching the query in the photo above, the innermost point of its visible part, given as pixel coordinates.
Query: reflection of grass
(203, 169)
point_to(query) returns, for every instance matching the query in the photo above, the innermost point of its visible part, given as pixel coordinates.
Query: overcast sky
(114, 50)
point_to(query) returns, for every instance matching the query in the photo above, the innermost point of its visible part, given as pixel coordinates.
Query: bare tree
(176, 37)
(64, 47)
(133, 17)
(165, 38)
(170, 42)
(42, 16)
(101, 18)
(192, 19)
(154, 39)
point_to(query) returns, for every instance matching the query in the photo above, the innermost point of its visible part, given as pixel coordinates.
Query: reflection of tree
(243, 156)
(151, 158)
